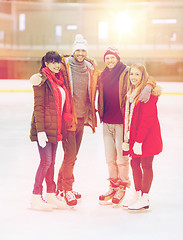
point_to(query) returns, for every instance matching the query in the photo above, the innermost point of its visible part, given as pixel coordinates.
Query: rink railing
(24, 86)
(31, 91)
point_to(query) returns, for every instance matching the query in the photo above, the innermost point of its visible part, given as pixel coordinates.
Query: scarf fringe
(130, 104)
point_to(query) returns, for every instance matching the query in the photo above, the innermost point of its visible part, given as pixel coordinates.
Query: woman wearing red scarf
(51, 106)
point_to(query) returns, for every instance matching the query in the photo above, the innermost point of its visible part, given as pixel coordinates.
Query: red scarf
(56, 80)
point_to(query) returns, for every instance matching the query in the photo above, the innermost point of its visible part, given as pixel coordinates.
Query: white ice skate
(141, 204)
(51, 198)
(128, 201)
(39, 204)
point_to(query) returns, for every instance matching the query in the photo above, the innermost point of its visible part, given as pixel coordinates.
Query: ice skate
(141, 204)
(70, 198)
(39, 204)
(119, 195)
(51, 198)
(105, 198)
(60, 194)
(130, 201)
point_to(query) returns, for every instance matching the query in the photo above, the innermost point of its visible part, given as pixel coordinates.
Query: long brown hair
(142, 83)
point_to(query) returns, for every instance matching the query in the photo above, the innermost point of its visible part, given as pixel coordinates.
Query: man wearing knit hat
(81, 82)
(111, 102)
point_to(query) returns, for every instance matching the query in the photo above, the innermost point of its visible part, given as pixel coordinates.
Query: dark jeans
(71, 144)
(46, 169)
(142, 173)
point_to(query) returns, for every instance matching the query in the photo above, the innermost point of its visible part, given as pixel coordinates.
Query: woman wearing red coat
(142, 135)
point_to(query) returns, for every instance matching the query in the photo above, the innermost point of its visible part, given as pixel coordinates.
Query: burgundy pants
(142, 173)
(71, 145)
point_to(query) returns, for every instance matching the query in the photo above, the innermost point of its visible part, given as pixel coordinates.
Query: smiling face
(53, 66)
(110, 61)
(80, 55)
(135, 76)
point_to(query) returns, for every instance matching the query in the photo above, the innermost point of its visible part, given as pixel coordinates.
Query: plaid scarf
(56, 80)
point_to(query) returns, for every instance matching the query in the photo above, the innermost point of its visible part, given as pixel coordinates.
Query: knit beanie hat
(80, 43)
(112, 50)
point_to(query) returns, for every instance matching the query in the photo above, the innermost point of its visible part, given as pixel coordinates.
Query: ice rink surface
(88, 220)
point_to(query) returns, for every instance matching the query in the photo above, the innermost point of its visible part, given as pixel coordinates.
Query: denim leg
(118, 165)
(110, 150)
(50, 183)
(121, 161)
(71, 145)
(45, 169)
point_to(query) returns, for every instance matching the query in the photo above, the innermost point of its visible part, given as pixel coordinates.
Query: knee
(134, 163)
(46, 163)
(111, 163)
(69, 159)
(70, 156)
(124, 161)
(146, 165)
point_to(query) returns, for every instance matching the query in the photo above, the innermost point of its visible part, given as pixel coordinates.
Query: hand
(36, 79)
(137, 148)
(145, 94)
(42, 139)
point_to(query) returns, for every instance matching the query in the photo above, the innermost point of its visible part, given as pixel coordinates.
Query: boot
(70, 198)
(61, 194)
(52, 199)
(129, 201)
(141, 203)
(109, 194)
(119, 195)
(38, 203)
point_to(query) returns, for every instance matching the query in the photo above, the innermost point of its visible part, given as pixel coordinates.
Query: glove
(137, 148)
(125, 146)
(42, 139)
(145, 94)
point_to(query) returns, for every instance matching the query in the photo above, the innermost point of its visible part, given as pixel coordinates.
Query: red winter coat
(145, 128)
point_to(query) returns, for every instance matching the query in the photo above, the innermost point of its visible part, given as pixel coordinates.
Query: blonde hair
(142, 83)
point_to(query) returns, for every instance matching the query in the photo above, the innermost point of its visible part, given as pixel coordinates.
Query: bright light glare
(72, 27)
(103, 30)
(21, 21)
(164, 21)
(123, 22)
(58, 30)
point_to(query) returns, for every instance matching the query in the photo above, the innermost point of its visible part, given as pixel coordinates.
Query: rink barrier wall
(23, 86)
(31, 91)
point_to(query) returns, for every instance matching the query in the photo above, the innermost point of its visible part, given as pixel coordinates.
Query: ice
(88, 220)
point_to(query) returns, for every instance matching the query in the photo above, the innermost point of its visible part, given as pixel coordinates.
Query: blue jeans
(46, 169)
